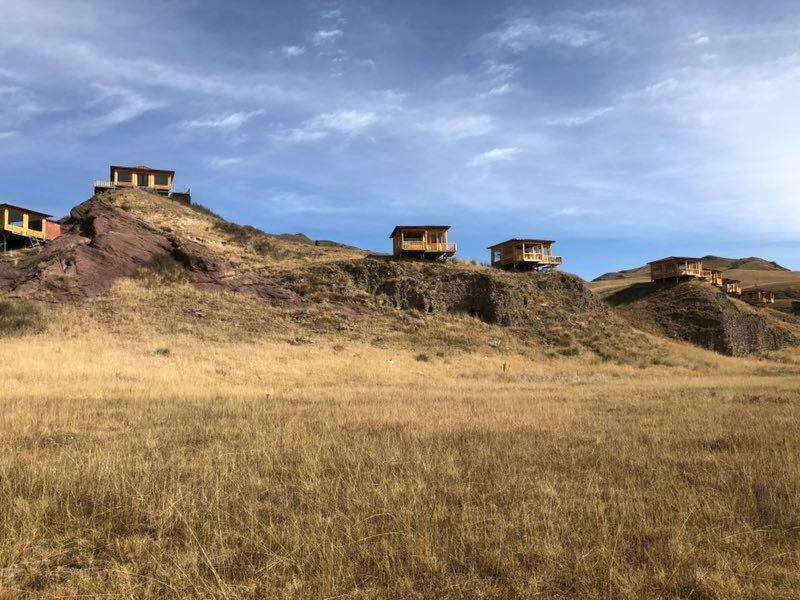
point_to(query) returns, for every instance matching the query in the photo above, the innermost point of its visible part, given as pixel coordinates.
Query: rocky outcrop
(701, 314)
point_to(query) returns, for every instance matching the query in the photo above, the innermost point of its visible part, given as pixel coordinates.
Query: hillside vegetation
(194, 409)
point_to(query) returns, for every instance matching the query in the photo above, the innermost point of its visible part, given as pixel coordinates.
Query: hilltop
(751, 271)
(131, 256)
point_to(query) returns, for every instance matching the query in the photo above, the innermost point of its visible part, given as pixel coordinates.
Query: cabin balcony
(424, 246)
(538, 257)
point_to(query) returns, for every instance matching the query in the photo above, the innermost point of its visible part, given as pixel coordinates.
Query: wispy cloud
(581, 118)
(326, 36)
(494, 155)
(464, 126)
(221, 162)
(523, 33)
(348, 122)
(292, 51)
(229, 122)
(4, 135)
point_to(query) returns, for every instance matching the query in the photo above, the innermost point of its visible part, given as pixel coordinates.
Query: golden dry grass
(164, 465)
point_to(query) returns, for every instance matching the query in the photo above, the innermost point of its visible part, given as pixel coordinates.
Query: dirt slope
(701, 314)
(118, 235)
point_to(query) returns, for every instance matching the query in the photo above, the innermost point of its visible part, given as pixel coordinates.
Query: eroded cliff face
(701, 314)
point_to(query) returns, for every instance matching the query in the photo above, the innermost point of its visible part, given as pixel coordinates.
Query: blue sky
(626, 131)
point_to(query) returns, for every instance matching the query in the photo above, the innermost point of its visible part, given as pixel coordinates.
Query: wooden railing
(546, 259)
(99, 183)
(423, 246)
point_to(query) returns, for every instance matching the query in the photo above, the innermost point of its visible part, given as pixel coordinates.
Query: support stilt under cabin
(524, 254)
(424, 242)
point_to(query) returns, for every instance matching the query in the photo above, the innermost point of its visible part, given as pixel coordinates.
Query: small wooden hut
(422, 241)
(524, 253)
(156, 180)
(758, 296)
(713, 276)
(21, 224)
(676, 267)
(732, 286)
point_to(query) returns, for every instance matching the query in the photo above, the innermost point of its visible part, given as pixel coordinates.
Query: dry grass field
(171, 466)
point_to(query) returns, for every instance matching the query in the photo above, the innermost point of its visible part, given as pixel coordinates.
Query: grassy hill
(197, 409)
(753, 272)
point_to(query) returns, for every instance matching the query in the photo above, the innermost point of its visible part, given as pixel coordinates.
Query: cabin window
(161, 179)
(143, 180)
(15, 217)
(124, 176)
(497, 256)
(657, 268)
(36, 223)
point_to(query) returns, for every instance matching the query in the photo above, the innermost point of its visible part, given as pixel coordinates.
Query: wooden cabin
(732, 286)
(713, 276)
(20, 225)
(758, 296)
(675, 267)
(519, 253)
(422, 241)
(155, 180)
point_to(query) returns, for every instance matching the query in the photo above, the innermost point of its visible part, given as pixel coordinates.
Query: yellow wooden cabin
(675, 267)
(156, 180)
(422, 241)
(758, 296)
(732, 286)
(524, 253)
(713, 276)
(20, 224)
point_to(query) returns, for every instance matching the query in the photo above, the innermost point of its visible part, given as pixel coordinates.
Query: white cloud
(499, 90)
(699, 38)
(326, 36)
(457, 128)
(576, 120)
(115, 105)
(229, 122)
(4, 135)
(292, 51)
(493, 156)
(523, 33)
(348, 122)
(224, 161)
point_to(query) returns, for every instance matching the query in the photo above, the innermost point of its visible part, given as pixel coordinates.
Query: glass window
(15, 217)
(161, 179)
(143, 180)
(124, 176)
(35, 223)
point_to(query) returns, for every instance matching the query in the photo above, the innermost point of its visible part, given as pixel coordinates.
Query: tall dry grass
(162, 466)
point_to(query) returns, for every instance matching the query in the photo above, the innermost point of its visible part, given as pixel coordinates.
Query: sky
(626, 131)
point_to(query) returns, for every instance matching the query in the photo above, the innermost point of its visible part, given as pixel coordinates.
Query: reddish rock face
(100, 243)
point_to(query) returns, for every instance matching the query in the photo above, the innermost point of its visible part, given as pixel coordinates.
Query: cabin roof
(726, 280)
(523, 241)
(675, 259)
(142, 168)
(23, 209)
(416, 227)
(757, 289)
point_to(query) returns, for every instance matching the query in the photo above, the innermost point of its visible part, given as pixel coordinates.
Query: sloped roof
(23, 209)
(523, 241)
(675, 258)
(142, 168)
(417, 227)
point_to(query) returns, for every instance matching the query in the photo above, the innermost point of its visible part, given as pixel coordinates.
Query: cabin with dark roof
(675, 267)
(23, 226)
(758, 296)
(524, 253)
(732, 287)
(156, 180)
(427, 242)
